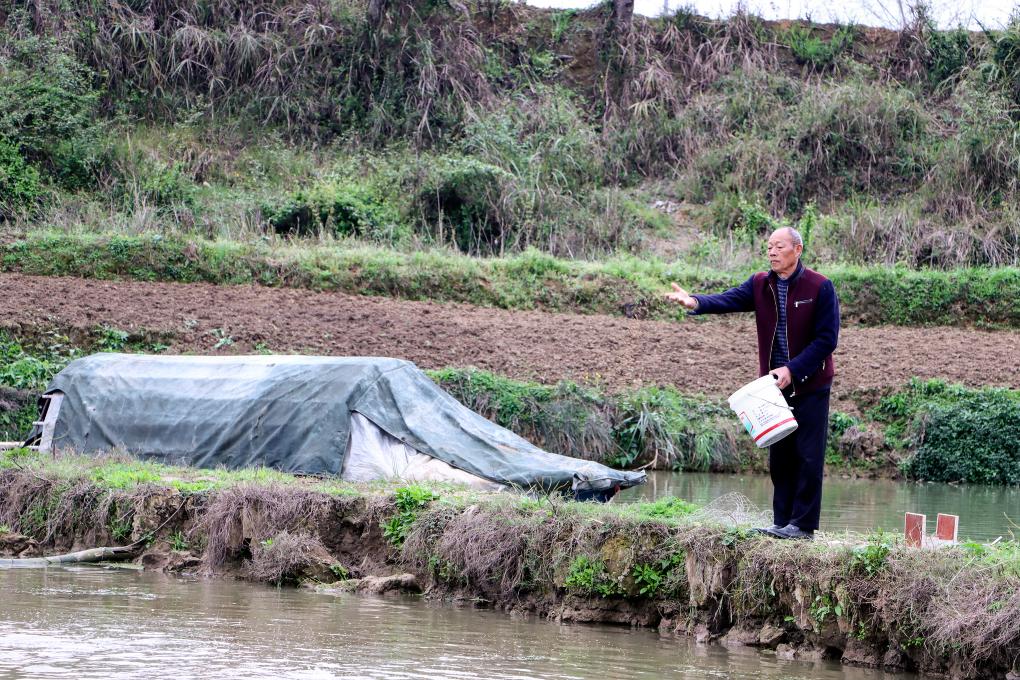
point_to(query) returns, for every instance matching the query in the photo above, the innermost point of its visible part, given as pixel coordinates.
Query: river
(91, 622)
(863, 505)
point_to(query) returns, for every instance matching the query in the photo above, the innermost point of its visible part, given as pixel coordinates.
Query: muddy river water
(863, 505)
(91, 622)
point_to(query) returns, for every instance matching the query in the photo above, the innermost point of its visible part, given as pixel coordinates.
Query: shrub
(811, 50)
(470, 203)
(343, 209)
(959, 434)
(543, 138)
(947, 53)
(48, 107)
(167, 186)
(656, 422)
(976, 440)
(19, 182)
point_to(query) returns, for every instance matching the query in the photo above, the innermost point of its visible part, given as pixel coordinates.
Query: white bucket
(763, 411)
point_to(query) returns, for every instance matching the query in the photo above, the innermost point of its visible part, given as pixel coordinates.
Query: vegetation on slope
(494, 127)
(625, 284)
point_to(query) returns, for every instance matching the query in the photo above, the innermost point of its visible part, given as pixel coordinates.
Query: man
(797, 315)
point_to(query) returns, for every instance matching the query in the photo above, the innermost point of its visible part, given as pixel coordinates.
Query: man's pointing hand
(682, 297)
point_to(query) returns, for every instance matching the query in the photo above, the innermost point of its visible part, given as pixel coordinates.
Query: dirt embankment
(879, 605)
(712, 356)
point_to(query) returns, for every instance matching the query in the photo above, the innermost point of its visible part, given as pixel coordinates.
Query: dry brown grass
(283, 557)
(238, 518)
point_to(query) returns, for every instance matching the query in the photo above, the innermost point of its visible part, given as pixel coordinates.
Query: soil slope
(713, 355)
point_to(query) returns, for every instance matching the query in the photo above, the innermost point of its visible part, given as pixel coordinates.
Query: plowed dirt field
(712, 355)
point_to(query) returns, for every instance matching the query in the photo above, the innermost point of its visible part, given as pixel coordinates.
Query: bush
(19, 182)
(342, 209)
(947, 53)
(49, 108)
(469, 202)
(543, 139)
(959, 434)
(811, 50)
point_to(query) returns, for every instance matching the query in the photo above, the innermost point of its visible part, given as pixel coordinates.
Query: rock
(702, 634)
(894, 658)
(155, 560)
(739, 637)
(377, 585)
(770, 636)
(785, 651)
(1013, 675)
(861, 654)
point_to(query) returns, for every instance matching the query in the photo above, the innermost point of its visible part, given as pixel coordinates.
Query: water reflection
(94, 623)
(986, 512)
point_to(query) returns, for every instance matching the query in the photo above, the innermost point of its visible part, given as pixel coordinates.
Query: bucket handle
(786, 406)
(783, 405)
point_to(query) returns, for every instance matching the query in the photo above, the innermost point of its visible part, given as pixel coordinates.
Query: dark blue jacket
(812, 322)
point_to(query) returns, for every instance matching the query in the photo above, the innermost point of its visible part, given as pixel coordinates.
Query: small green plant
(222, 337)
(668, 506)
(561, 22)
(648, 577)
(872, 558)
(734, 535)
(444, 569)
(823, 606)
(589, 577)
(178, 541)
(340, 571)
(120, 527)
(111, 339)
(5, 529)
(410, 501)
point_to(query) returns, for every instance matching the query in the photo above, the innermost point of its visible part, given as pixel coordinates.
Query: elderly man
(797, 314)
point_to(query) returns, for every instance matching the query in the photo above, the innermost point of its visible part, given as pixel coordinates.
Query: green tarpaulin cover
(293, 413)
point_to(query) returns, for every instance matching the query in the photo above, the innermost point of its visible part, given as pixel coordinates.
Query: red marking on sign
(914, 528)
(946, 527)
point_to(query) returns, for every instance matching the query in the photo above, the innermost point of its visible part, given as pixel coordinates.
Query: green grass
(530, 280)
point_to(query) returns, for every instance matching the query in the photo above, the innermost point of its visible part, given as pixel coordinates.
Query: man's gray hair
(795, 236)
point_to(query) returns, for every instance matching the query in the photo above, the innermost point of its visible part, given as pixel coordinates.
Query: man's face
(783, 253)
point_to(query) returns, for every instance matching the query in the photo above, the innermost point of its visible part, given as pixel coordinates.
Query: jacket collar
(773, 277)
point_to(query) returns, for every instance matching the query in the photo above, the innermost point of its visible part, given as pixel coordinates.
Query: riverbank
(861, 599)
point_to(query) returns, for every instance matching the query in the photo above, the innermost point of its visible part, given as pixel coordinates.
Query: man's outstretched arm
(739, 299)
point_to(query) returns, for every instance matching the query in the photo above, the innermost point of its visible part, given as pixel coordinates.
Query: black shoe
(769, 531)
(791, 531)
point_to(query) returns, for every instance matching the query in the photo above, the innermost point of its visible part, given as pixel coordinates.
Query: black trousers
(796, 463)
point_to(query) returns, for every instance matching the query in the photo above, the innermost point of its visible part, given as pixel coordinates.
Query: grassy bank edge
(623, 285)
(664, 564)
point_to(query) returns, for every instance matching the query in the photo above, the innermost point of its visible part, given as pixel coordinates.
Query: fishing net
(732, 509)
